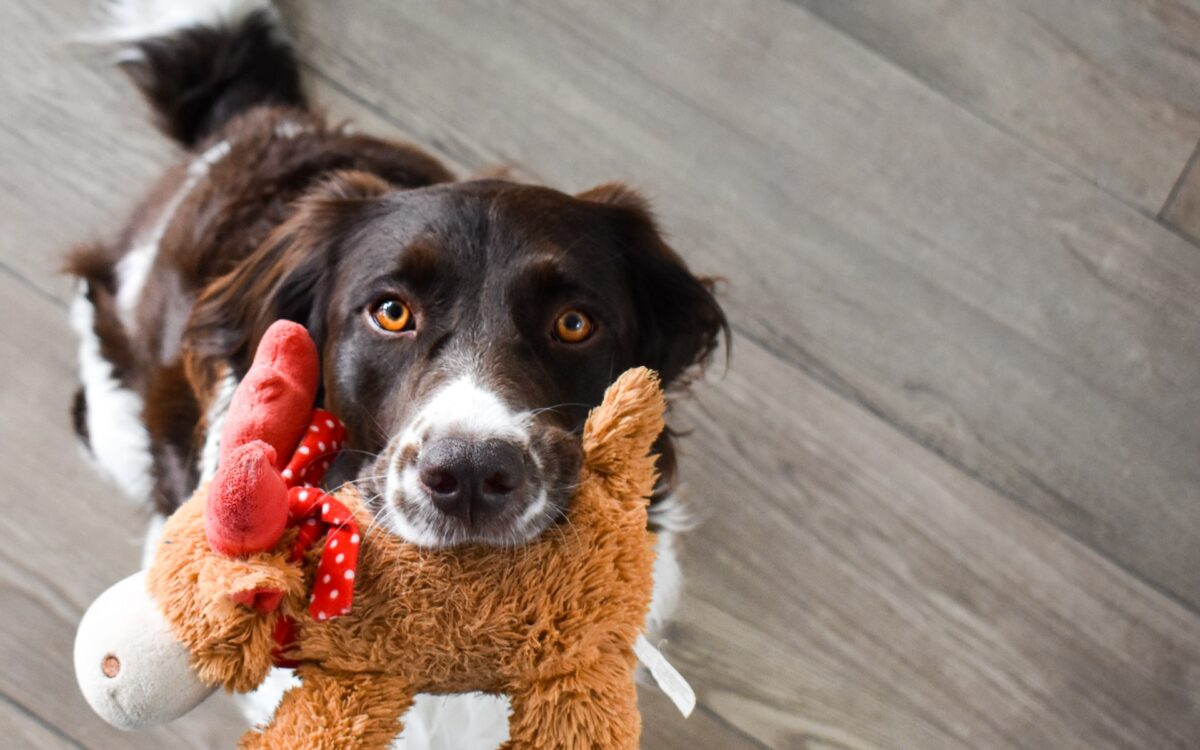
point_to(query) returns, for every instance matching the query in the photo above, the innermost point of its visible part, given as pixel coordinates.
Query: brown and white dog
(465, 327)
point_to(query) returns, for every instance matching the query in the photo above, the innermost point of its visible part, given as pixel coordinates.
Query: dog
(465, 327)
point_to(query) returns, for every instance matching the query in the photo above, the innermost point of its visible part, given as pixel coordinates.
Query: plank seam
(1004, 130)
(1179, 181)
(725, 723)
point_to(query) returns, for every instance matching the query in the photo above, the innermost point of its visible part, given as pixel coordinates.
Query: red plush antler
(247, 506)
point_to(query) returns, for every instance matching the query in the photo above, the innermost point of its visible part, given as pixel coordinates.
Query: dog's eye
(393, 316)
(573, 327)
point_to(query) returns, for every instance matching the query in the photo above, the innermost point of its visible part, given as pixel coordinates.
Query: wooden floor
(950, 481)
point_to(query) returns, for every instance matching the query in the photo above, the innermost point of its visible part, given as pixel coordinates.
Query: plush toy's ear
(621, 430)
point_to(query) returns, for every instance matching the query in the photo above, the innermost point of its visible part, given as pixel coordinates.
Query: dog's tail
(200, 63)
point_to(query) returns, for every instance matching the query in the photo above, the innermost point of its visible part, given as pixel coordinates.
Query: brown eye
(392, 316)
(573, 327)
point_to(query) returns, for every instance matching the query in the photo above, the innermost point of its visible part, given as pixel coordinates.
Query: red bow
(317, 514)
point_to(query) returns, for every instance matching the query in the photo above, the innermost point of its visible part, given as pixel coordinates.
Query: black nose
(471, 480)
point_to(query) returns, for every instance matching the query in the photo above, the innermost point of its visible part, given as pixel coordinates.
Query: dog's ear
(680, 321)
(285, 278)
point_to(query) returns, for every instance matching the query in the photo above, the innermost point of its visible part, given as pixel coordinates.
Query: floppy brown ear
(680, 321)
(285, 278)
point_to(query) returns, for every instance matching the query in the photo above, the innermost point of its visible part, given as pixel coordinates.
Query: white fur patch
(150, 543)
(405, 483)
(133, 269)
(464, 408)
(470, 721)
(215, 421)
(128, 20)
(671, 516)
(116, 434)
(668, 583)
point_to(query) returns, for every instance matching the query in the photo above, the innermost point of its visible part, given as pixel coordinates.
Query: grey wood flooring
(950, 479)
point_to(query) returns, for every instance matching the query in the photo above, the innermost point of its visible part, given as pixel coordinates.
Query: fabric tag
(668, 678)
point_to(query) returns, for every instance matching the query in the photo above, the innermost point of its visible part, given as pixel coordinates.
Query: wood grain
(1109, 89)
(994, 305)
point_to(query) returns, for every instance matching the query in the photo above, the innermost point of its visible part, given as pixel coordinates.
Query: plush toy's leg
(595, 707)
(359, 712)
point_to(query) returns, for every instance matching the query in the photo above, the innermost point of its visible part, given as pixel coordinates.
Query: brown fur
(551, 623)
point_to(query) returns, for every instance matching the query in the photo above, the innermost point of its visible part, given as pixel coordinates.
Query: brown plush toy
(551, 624)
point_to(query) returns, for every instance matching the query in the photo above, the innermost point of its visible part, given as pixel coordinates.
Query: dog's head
(466, 330)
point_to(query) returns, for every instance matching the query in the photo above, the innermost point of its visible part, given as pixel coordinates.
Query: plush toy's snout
(132, 669)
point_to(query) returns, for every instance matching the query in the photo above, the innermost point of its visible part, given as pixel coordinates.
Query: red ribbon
(317, 514)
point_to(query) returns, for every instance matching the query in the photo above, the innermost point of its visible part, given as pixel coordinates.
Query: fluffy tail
(200, 63)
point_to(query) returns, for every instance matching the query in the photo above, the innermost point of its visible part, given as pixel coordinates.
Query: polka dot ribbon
(317, 514)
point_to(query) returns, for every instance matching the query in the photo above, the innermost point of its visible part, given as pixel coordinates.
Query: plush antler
(247, 506)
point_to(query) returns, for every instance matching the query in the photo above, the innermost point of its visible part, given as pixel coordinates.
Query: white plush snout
(131, 669)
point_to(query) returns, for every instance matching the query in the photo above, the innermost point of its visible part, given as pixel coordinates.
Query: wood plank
(997, 307)
(1111, 91)
(849, 589)
(77, 148)
(84, 537)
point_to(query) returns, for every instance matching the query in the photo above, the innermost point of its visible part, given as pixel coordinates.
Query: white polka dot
(311, 522)
(313, 428)
(321, 615)
(333, 542)
(325, 578)
(303, 495)
(320, 446)
(349, 575)
(325, 508)
(287, 473)
(354, 539)
(329, 423)
(304, 449)
(334, 445)
(339, 558)
(336, 521)
(333, 594)
(345, 610)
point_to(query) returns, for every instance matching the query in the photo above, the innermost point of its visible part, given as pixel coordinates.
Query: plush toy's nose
(473, 480)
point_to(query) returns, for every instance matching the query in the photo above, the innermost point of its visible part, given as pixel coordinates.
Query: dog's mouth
(411, 511)
(485, 474)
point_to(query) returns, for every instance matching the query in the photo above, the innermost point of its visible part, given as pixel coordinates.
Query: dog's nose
(471, 479)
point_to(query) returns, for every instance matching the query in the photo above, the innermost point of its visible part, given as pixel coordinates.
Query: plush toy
(261, 568)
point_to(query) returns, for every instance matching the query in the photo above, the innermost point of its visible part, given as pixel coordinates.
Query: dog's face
(467, 329)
